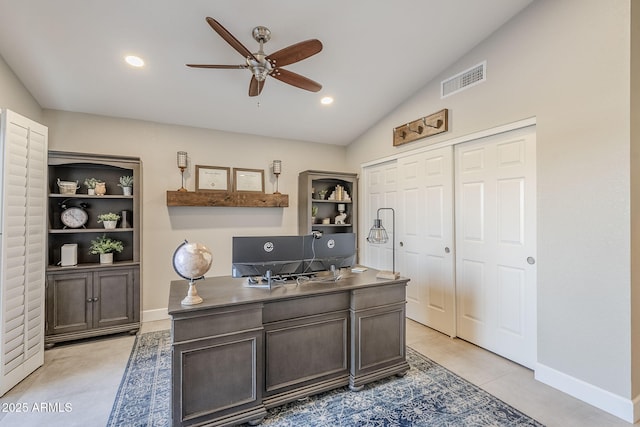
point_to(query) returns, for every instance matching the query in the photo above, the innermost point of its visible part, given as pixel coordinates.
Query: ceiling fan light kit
(262, 65)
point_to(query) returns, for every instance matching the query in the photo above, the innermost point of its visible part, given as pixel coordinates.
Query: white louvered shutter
(23, 147)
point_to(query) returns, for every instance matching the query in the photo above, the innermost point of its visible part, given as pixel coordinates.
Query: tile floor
(79, 381)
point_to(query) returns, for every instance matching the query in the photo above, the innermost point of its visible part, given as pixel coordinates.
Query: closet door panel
(426, 237)
(495, 215)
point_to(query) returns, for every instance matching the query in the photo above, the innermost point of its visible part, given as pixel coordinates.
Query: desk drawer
(378, 296)
(215, 322)
(306, 306)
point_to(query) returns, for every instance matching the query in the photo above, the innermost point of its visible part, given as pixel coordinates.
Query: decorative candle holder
(277, 170)
(182, 165)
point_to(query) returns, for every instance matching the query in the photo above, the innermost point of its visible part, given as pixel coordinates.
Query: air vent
(464, 80)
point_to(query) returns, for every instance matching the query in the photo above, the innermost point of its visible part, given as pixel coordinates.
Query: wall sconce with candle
(277, 170)
(182, 165)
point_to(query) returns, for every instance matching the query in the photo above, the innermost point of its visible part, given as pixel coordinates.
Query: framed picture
(213, 178)
(248, 180)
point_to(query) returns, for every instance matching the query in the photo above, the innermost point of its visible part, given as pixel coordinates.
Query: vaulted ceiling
(69, 54)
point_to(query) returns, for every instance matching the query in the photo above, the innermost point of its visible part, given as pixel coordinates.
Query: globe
(192, 261)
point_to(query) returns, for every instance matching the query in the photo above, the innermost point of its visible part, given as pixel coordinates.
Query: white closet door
(426, 237)
(496, 244)
(23, 144)
(380, 192)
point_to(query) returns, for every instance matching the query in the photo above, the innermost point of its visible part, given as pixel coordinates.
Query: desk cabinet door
(377, 334)
(308, 350)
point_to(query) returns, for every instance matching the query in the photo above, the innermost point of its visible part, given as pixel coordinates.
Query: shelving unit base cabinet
(92, 302)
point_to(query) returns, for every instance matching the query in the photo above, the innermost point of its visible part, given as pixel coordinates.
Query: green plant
(108, 217)
(91, 182)
(314, 210)
(126, 181)
(105, 245)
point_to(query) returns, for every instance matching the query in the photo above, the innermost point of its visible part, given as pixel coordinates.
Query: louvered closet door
(23, 146)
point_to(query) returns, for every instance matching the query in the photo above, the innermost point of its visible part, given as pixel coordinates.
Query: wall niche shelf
(310, 184)
(227, 199)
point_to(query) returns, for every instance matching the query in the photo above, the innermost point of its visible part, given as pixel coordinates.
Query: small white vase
(106, 258)
(91, 191)
(110, 224)
(126, 191)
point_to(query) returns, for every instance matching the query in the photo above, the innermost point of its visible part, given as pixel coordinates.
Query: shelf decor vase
(91, 191)
(101, 188)
(126, 191)
(106, 258)
(110, 224)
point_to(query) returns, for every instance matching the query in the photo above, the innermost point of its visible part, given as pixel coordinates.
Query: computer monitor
(329, 252)
(267, 256)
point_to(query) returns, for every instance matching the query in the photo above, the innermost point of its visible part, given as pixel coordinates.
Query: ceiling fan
(262, 65)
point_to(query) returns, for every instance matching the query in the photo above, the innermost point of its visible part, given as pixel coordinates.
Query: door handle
(401, 244)
(531, 260)
(447, 250)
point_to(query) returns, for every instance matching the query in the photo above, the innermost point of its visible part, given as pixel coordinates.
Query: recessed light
(134, 61)
(326, 100)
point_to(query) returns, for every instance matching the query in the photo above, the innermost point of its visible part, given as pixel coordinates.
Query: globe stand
(192, 297)
(192, 261)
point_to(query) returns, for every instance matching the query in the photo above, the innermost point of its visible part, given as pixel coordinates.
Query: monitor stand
(335, 273)
(260, 284)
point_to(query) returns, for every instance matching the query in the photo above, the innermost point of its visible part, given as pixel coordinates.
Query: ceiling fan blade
(295, 80)
(255, 87)
(229, 38)
(296, 52)
(217, 66)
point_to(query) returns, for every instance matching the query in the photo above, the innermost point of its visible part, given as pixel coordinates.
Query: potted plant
(105, 247)
(91, 185)
(126, 182)
(109, 220)
(314, 213)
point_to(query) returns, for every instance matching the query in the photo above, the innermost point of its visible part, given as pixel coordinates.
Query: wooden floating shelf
(227, 199)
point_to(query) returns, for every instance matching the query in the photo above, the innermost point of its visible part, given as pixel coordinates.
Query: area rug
(428, 395)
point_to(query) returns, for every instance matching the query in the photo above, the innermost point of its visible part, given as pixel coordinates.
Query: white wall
(567, 63)
(15, 96)
(635, 195)
(164, 228)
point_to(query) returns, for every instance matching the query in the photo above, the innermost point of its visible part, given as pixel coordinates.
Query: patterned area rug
(429, 395)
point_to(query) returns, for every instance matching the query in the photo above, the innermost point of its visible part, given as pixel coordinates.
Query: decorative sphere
(192, 260)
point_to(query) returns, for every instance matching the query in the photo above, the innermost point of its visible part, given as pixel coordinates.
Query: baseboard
(628, 410)
(153, 315)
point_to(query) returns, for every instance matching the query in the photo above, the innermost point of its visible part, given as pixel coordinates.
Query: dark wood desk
(244, 350)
